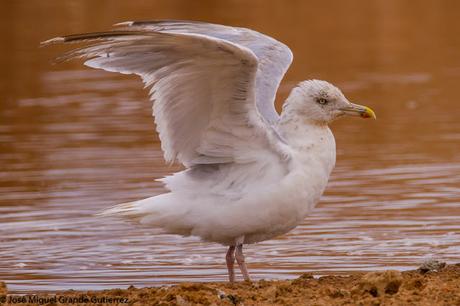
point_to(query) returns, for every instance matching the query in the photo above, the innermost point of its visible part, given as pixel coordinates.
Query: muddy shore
(430, 286)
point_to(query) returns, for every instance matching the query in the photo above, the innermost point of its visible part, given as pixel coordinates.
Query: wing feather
(203, 90)
(274, 57)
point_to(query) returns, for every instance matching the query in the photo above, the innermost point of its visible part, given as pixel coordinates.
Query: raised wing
(202, 87)
(274, 57)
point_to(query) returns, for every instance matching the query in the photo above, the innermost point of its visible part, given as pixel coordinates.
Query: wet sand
(434, 285)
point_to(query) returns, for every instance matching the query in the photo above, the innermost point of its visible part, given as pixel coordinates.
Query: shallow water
(74, 141)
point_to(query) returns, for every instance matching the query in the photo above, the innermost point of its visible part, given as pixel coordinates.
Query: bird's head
(322, 102)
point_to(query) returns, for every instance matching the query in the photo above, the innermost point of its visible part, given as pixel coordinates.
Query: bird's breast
(315, 152)
(312, 161)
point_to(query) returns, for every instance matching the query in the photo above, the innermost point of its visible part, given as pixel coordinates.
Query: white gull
(250, 174)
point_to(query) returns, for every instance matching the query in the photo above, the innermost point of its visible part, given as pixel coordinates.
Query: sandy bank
(375, 288)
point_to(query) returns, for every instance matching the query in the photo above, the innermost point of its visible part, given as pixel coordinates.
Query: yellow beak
(358, 110)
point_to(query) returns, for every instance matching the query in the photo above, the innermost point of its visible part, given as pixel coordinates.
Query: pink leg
(240, 260)
(230, 258)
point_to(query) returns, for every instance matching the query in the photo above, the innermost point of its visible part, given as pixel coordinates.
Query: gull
(249, 174)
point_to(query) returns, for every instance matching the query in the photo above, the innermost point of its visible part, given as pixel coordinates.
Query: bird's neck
(298, 130)
(312, 142)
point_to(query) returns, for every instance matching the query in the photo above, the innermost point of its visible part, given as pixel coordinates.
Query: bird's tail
(163, 211)
(137, 210)
(130, 210)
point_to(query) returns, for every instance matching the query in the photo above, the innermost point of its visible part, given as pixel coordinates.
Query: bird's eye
(322, 101)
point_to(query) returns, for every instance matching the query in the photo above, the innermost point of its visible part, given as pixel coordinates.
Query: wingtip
(52, 41)
(124, 24)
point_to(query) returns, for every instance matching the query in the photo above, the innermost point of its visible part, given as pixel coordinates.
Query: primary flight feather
(250, 174)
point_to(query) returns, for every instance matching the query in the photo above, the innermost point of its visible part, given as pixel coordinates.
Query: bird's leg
(240, 260)
(230, 258)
